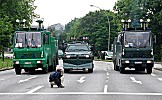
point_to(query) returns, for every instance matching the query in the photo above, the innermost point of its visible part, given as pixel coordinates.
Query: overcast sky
(63, 11)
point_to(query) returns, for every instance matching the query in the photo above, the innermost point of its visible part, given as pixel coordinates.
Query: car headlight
(87, 56)
(67, 56)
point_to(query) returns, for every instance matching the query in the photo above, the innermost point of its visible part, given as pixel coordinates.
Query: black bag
(53, 76)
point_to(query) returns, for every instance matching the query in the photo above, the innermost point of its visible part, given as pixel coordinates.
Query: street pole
(108, 44)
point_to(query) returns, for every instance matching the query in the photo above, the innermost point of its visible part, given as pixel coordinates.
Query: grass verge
(6, 64)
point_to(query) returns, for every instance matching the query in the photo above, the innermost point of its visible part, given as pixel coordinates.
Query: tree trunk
(2, 54)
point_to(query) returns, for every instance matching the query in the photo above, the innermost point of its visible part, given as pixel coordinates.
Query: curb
(157, 62)
(160, 69)
(3, 69)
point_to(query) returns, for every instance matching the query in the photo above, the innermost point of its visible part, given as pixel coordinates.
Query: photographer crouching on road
(55, 78)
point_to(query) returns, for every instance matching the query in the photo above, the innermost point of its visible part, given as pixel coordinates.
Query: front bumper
(30, 63)
(134, 63)
(77, 63)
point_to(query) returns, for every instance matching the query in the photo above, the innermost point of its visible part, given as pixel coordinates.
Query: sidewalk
(158, 66)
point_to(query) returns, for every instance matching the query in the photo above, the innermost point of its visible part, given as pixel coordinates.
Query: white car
(8, 55)
(109, 55)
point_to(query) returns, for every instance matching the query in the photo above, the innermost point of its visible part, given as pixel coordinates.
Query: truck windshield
(28, 39)
(137, 39)
(77, 48)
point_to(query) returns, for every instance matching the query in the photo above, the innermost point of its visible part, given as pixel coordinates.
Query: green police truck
(34, 48)
(133, 48)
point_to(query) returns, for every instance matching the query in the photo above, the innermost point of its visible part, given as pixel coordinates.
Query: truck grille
(137, 54)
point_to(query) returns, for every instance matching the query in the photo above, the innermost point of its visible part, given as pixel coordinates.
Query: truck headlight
(17, 62)
(149, 61)
(126, 61)
(38, 62)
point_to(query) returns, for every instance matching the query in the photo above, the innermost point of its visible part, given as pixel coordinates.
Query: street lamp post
(108, 23)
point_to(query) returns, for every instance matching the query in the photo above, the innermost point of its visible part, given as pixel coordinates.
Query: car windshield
(137, 39)
(77, 48)
(28, 39)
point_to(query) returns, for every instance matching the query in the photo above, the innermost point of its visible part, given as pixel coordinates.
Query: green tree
(95, 26)
(10, 11)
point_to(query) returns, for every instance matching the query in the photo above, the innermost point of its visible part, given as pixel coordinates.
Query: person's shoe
(61, 86)
(51, 86)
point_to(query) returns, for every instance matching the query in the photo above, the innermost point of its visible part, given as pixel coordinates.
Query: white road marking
(160, 79)
(97, 93)
(153, 74)
(105, 69)
(81, 80)
(33, 90)
(134, 80)
(109, 93)
(107, 73)
(105, 88)
(27, 79)
(2, 79)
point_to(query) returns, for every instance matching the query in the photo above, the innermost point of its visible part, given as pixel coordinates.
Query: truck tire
(122, 70)
(116, 68)
(149, 70)
(18, 70)
(90, 70)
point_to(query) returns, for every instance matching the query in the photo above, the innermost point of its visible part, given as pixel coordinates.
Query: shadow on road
(134, 72)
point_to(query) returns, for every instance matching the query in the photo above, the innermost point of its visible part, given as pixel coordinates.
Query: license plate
(138, 62)
(27, 62)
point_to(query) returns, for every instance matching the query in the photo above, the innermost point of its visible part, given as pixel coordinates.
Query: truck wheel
(90, 70)
(114, 66)
(122, 69)
(117, 68)
(18, 70)
(149, 70)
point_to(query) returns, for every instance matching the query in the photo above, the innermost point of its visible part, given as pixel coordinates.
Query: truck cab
(34, 48)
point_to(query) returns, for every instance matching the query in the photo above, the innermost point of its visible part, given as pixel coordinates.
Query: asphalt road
(103, 84)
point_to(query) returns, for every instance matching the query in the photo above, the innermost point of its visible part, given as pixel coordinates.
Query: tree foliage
(10, 10)
(95, 26)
